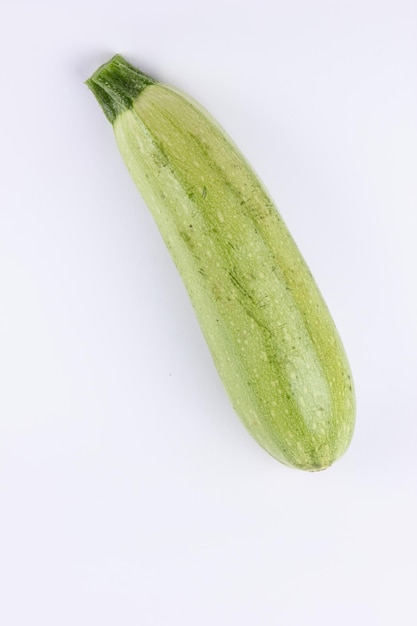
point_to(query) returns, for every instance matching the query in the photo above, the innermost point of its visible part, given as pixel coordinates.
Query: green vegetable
(270, 333)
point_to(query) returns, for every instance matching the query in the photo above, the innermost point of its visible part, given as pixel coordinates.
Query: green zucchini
(269, 331)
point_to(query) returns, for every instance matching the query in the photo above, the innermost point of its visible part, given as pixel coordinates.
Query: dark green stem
(116, 84)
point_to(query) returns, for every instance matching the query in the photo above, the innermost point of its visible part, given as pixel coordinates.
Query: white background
(129, 491)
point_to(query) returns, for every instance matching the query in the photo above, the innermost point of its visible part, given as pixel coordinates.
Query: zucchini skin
(269, 331)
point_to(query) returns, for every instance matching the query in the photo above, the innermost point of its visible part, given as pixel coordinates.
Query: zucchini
(269, 331)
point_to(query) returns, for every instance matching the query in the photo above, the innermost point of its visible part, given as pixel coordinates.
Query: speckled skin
(269, 331)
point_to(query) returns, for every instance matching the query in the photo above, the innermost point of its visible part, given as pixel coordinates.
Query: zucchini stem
(116, 84)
